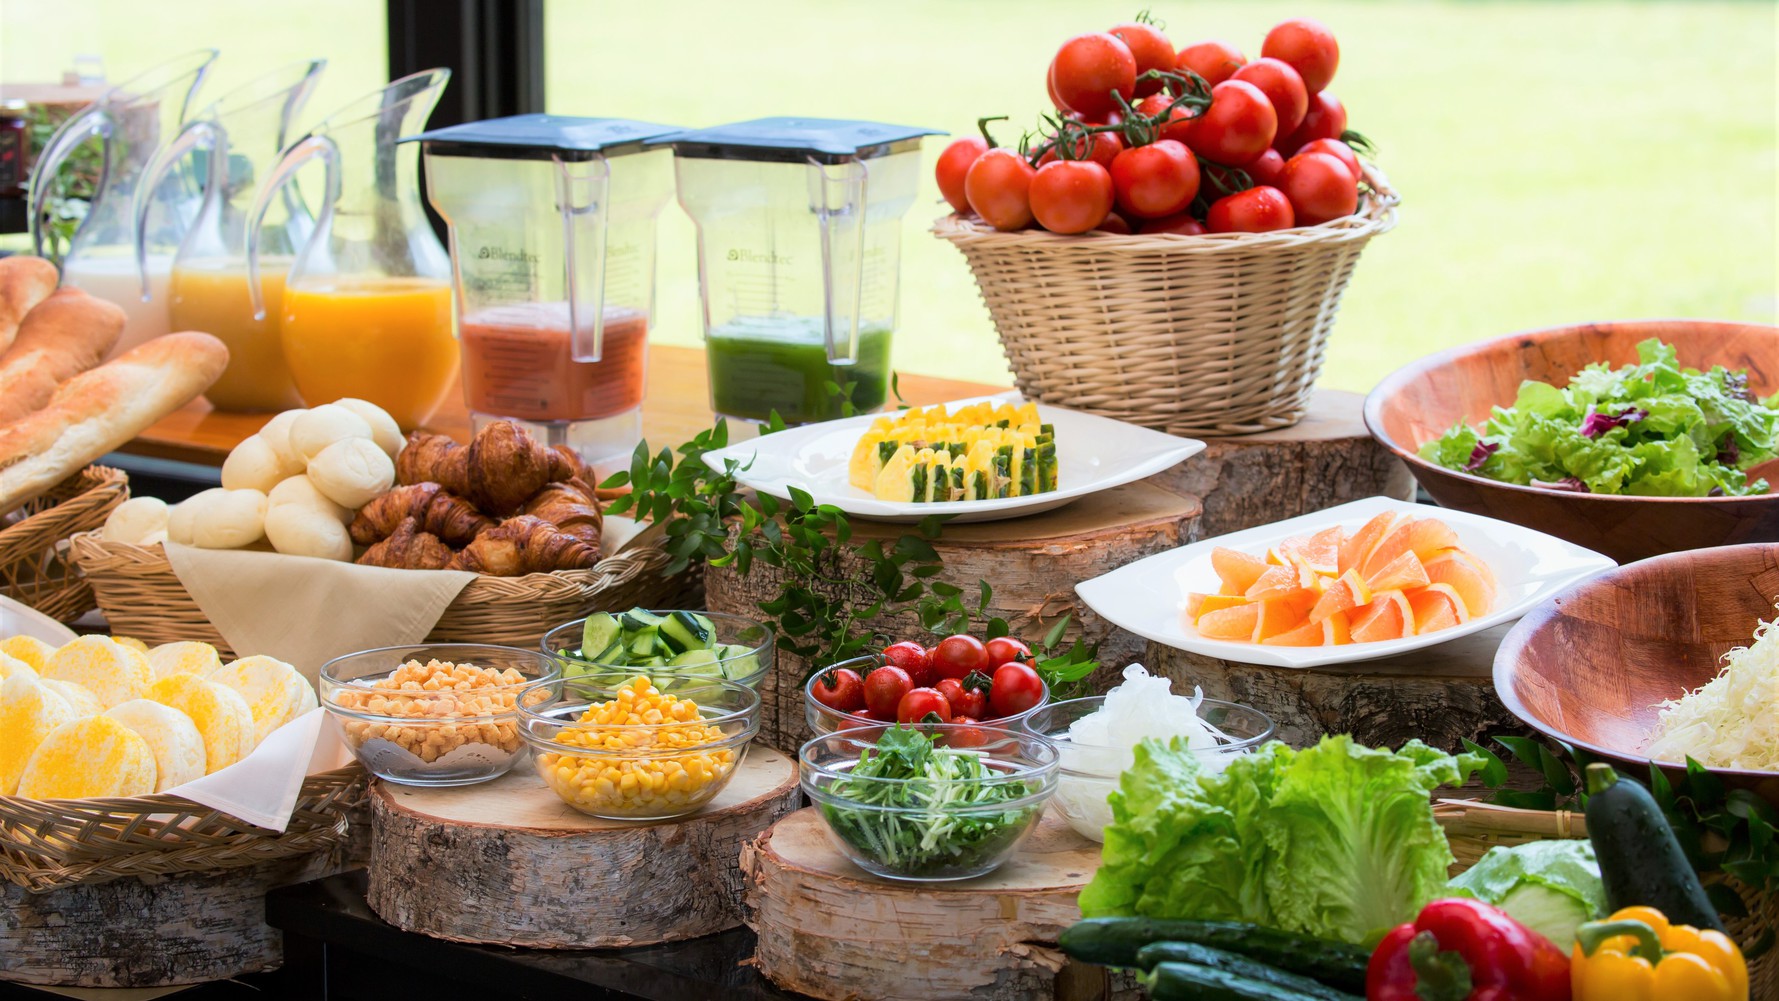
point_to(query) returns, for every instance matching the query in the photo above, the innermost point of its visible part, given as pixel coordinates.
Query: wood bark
(508, 863)
(1032, 565)
(1328, 458)
(1442, 694)
(831, 930)
(150, 931)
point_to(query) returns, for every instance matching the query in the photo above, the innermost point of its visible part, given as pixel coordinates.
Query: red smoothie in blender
(518, 362)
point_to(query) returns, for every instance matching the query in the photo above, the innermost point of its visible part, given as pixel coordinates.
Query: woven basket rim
(153, 803)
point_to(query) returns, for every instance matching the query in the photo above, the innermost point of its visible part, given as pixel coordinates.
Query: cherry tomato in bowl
(957, 656)
(1003, 649)
(910, 656)
(884, 688)
(978, 696)
(839, 688)
(920, 703)
(953, 164)
(1017, 689)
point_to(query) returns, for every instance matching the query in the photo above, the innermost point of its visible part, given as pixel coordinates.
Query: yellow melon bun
(274, 690)
(28, 712)
(29, 649)
(221, 714)
(114, 673)
(174, 739)
(96, 756)
(183, 657)
(10, 665)
(79, 697)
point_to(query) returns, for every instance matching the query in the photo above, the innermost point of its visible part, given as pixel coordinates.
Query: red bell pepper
(1465, 950)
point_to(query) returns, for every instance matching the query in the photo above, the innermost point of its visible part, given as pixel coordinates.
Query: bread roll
(352, 472)
(25, 281)
(64, 336)
(230, 519)
(276, 433)
(300, 530)
(300, 491)
(96, 411)
(252, 465)
(323, 426)
(384, 430)
(135, 520)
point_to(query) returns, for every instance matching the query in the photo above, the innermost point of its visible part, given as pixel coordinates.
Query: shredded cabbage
(1730, 721)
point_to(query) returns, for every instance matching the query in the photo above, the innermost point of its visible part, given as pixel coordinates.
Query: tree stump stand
(1032, 564)
(1327, 458)
(508, 863)
(1443, 694)
(829, 929)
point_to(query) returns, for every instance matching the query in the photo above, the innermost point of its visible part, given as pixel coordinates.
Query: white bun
(230, 520)
(384, 430)
(276, 433)
(133, 521)
(297, 530)
(352, 472)
(300, 491)
(253, 465)
(323, 426)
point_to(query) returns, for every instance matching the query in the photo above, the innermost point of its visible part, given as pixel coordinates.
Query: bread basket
(1193, 335)
(142, 596)
(36, 565)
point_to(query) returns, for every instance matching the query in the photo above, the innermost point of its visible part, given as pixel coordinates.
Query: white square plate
(1148, 597)
(1092, 454)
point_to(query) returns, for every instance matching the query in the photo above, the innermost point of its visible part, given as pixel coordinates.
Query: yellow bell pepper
(1636, 955)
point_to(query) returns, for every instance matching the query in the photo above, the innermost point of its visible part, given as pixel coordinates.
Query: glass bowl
(924, 830)
(1088, 773)
(825, 719)
(439, 737)
(744, 653)
(638, 771)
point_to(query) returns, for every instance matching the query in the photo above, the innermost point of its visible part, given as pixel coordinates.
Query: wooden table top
(676, 408)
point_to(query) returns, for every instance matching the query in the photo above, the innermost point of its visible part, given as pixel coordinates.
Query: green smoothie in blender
(759, 365)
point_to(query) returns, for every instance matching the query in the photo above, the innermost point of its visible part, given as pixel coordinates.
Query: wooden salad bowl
(1420, 401)
(1590, 666)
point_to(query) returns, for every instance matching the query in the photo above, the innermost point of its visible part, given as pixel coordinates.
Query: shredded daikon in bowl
(1732, 721)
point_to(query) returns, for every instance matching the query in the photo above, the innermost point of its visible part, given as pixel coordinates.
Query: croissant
(498, 470)
(408, 548)
(438, 512)
(525, 544)
(571, 506)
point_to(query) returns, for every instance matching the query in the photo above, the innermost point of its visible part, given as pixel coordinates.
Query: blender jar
(799, 256)
(552, 232)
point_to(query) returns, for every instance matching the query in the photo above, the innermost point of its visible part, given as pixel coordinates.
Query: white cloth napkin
(262, 788)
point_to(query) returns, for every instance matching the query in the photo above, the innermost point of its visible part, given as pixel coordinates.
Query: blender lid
(827, 140)
(538, 137)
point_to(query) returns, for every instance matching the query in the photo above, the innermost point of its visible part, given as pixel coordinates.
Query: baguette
(62, 337)
(25, 281)
(98, 410)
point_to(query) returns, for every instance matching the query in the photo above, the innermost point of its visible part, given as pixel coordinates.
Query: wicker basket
(45, 844)
(1474, 827)
(142, 596)
(1205, 335)
(35, 562)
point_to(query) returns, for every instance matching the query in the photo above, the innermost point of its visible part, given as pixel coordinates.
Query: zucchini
(1641, 861)
(1115, 941)
(1155, 953)
(1187, 982)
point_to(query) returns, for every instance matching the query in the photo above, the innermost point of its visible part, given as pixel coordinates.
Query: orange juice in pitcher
(216, 300)
(386, 340)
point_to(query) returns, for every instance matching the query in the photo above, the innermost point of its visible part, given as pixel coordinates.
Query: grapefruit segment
(1276, 616)
(1473, 584)
(1429, 537)
(1230, 623)
(1280, 581)
(1388, 617)
(1436, 607)
(1342, 595)
(1360, 544)
(1399, 574)
(1399, 541)
(1237, 570)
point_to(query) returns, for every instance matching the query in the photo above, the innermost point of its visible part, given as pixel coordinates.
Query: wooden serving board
(831, 930)
(508, 863)
(1442, 694)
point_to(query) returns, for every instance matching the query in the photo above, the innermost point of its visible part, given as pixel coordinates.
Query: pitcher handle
(581, 189)
(293, 160)
(84, 124)
(196, 135)
(837, 193)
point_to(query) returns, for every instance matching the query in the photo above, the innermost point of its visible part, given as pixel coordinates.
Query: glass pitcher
(552, 225)
(236, 139)
(799, 256)
(132, 121)
(367, 302)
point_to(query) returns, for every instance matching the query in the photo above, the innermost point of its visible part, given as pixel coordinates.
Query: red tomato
(1337, 149)
(1256, 210)
(1179, 120)
(965, 736)
(1237, 127)
(951, 688)
(919, 703)
(1308, 46)
(839, 688)
(1016, 689)
(1050, 86)
(1155, 180)
(1109, 118)
(1266, 168)
(957, 656)
(1283, 89)
(1326, 119)
(1179, 225)
(1100, 147)
(1071, 196)
(910, 656)
(1150, 48)
(1213, 60)
(1088, 68)
(953, 164)
(1115, 224)
(1320, 188)
(1002, 649)
(884, 688)
(998, 186)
